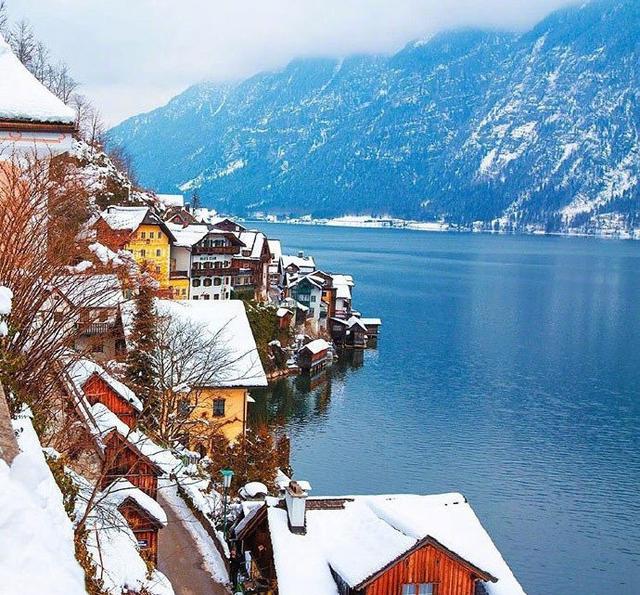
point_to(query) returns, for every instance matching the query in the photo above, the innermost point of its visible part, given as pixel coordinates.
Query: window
(158, 252)
(206, 296)
(157, 270)
(143, 253)
(151, 235)
(143, 234)
(97, 348)
(217, 281)
(207, 282)
(195, 297)
(143, 543)
(183, 407)
(218, 407)
(216, 297)
(195, 282)
(418, 589)
(159, 235)
(313, 298)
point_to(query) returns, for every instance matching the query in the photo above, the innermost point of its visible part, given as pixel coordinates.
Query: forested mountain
(515, 129)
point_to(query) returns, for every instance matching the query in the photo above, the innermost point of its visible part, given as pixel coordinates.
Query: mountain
(540, 128)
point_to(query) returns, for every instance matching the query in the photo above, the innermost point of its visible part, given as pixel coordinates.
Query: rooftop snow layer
(81, 370)
(23, 98)
(316, 346)
(124, 218)
(121, 489)
(226, 324)
(302, 262)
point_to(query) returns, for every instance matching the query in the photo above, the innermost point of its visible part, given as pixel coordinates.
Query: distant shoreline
(434, 227)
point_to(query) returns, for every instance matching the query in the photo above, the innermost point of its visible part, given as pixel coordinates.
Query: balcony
(216, 250)
(95, 328)
(178, 274)
(211, 272)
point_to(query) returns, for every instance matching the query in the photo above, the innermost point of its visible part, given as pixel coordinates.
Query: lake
(508, 369)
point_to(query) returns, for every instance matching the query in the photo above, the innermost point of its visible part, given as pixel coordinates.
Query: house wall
(143, 529)
(426, 565)
(122, 461)
(232, 424)
(98, 391)
(156, 251)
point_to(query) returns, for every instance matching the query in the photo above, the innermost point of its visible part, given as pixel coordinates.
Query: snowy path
(185, 552)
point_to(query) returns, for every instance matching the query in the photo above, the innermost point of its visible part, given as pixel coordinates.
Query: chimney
(301, 254)
(295, 499)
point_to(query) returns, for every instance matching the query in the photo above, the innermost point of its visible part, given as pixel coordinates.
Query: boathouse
(369, 545)
(314, 356)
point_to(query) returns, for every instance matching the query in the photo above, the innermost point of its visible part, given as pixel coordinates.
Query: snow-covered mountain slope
(540, 128)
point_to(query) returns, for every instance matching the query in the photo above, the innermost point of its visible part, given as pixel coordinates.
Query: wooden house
(143, 514)
(307, 290)
(226, 224)
(252, 264)
(100, 387)
(314, 356)
(369, 545)
(356, 336)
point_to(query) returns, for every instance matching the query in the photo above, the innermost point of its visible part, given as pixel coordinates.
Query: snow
(213, 562)
(106, 421)
(227, 324)
(186, 237)
(124, 218)
(6, 295)
(80, 371)
(36, 548)
(105, 255)
(121, 489)
(276, 249)
(23, 98)
(113, 546)
(254, 240)
(449, 519)
(91, 291)
(253, 489)
(171, 200)
(302, 262)
(371, 321)
(316, 346)
(354, 321)
(298, 559)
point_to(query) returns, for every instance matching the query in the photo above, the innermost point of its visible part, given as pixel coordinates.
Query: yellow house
(140, 231)
(218, 399)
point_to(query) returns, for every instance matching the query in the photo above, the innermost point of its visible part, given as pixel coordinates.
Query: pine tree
(141, 370)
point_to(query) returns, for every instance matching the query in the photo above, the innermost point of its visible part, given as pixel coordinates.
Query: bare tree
(4, 19)
(23, 42)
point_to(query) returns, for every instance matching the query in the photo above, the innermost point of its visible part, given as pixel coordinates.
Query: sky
(134, 55)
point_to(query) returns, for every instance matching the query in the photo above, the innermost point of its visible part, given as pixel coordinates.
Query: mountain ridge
(539, 128)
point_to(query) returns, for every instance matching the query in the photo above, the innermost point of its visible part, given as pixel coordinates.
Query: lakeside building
(275, 248)
(32, 119)
(143, 233)
(252, 263)
(369, 545)
(217, 400)
(293, 266)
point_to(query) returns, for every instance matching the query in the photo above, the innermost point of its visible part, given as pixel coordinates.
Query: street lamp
(227, 476)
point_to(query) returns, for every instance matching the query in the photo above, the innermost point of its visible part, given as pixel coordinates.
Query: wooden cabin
(356, 335)
(122, 458)
(98, 390)
(314, 356)
(369, 545)
(145, 527)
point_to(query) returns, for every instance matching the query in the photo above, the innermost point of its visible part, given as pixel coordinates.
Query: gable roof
(188, 236)
(89, 290)
(301, 262)
(355, 321)
(316, 346)
(226, 323)
(129, 219)
(361, 537)
(122, 491)
(80, 371)
(255, 241)
(23, 98)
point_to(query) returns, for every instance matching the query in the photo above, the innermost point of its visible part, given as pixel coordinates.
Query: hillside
(540, 128)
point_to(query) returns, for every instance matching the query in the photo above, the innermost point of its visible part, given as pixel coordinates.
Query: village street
(181, 561)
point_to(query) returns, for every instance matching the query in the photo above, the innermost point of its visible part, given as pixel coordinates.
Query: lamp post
(227, 475)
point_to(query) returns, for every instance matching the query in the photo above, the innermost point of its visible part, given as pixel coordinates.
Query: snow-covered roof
(187, 236)
(36, 543)
(302, 262)
(316, 346)
(275, 247)
(357, 537)
(106, 422)
(80, 371)
(121, 490)
(372, 321)
(171, 200)
(23, 98)
(227, 325)
(282, 312)
(355, 321)
(91, 291)
(254, 241)
(343, 285)
(124, 218)
(315, 281)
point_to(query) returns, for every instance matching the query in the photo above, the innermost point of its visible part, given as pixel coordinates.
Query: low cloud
(132, 56)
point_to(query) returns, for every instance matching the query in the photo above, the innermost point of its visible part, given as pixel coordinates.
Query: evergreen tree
(141, 370)
(196, 203)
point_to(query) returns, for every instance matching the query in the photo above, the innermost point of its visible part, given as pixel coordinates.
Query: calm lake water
(508, 369)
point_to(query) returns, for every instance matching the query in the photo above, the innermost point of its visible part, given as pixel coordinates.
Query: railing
(95, 328)
(212, 272)
(178, 274)
(216, 250)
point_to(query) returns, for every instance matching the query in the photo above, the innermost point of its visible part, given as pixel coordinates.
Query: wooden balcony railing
(216, 250)
(220, 272)
(178, 274)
